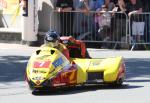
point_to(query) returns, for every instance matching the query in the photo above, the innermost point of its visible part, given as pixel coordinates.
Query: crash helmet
(52, 38)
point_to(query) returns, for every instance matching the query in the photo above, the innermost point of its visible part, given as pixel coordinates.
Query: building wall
(9, 14)
(13, 20)
(47, 18)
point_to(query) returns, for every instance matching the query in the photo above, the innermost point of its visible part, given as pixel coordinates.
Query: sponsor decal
(43, 57)
(60, 84)
(41, 64)
(96, 63)
(58, 62)
(38, 71)
(38, 78)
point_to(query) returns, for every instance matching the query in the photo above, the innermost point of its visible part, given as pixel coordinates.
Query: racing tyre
(119, 82)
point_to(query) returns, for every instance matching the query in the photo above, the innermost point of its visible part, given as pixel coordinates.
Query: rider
(52, 39)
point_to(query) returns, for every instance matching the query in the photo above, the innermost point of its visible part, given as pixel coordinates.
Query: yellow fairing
(109, 67)
(45, 71)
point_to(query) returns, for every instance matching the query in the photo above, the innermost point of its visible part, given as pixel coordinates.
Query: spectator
(120, 6)
(92, 4)
(146, 4)
(64, 7)
(147, 19)
(84, 19)
(76, 3)
(110, 5)
(134, 7)
(119, 20)
(95, 4)
(103, 19)
(84, 6)
(116, 1)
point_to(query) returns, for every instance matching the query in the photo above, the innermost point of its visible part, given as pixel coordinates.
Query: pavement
(101, 52)
(15, 46)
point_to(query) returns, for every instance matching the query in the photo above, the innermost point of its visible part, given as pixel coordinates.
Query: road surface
(13, 89)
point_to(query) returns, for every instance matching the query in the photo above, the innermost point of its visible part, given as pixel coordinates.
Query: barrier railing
(105, 27)
(139, 30)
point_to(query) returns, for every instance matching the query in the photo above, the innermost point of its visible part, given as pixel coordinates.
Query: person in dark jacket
(64, 7)
(134, 8)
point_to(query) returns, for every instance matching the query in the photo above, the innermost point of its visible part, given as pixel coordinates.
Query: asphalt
(100, 52)
(14, 46)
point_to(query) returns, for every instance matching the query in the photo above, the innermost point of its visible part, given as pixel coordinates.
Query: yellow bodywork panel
(112, 65)
(82, 65)
(109, 66)
(45, 66)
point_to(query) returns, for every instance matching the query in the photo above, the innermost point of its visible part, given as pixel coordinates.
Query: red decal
(41, 64)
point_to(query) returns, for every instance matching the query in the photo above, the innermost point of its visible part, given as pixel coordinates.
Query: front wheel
(119, 82)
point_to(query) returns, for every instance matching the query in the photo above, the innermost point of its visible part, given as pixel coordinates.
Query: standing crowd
(97, 16)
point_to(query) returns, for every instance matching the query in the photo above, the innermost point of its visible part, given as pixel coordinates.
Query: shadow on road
(138, 80)
(82, 89)
(138, 68)
(12, 68)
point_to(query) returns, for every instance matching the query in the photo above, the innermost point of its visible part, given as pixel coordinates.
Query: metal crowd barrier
(139, 30)
(104, 27)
